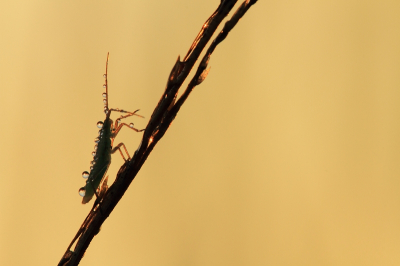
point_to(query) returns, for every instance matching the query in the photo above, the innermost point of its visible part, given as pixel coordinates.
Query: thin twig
(162, 117)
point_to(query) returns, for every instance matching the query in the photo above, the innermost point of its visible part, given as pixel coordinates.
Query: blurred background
(287, 154)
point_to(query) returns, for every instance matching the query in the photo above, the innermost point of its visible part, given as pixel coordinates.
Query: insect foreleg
(128, 113)
(118, 128)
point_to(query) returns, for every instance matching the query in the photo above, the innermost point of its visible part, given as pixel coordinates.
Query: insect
(104, 147)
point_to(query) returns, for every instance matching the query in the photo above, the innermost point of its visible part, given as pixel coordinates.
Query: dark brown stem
(162, 117)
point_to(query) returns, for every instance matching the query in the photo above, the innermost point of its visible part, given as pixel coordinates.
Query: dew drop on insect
(104, 95)
(95, 147)
(97, 140)
(104, 85)
(93, 153)
(85, 174)
(131, 125)
(82, 191)
(93, 162)
(99, 124)
(105, 110)
(105, 75)
(91, 168)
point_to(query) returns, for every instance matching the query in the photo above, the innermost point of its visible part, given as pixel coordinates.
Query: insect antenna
(105, 95)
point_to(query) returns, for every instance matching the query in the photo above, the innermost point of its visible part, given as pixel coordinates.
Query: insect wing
(93, 182)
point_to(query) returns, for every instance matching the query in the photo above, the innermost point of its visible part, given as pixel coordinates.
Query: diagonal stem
(162, 117)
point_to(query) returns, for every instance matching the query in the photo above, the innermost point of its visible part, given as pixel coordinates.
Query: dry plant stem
(161, 119)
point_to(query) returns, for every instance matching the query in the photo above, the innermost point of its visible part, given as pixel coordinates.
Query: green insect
(104, 147)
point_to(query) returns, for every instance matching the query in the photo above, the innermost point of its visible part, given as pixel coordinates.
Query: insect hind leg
(118, 147)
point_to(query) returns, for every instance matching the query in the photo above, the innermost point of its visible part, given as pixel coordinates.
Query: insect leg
(124, 124)
(100, 196)
(117, 126)
(128, 113)
(118, 147)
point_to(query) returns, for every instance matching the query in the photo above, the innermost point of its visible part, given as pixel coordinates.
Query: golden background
(287, 154)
